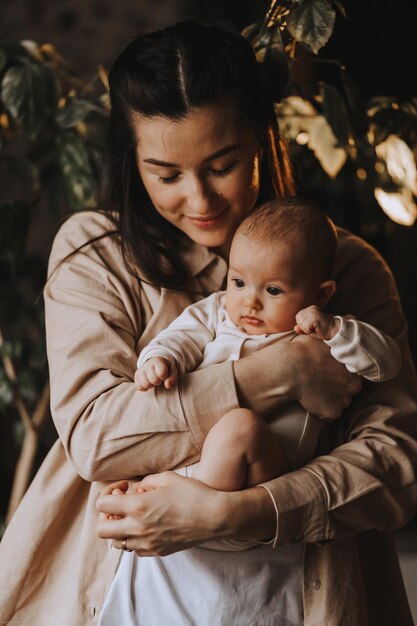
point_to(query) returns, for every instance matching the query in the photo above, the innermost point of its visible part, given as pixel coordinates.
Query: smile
(253, 321)
(207, 222)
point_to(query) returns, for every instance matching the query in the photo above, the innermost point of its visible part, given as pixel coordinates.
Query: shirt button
(316, 584)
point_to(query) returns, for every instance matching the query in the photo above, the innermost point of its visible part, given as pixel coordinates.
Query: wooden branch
(33, 425)
(10, 370)
(23, 471)
(24, 467)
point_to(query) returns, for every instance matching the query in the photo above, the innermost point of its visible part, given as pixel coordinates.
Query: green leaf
(273, 62)
(355, 103)
(29, 93)
(15, 52)
(339, 7)
(27, 385)
(311, 23)
(75, 166)
(74, 112)
(6, 391)
(335, 112)
(251, 32)
(19, 432)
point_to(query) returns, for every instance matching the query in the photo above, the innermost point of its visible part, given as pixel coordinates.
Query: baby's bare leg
(240, 451)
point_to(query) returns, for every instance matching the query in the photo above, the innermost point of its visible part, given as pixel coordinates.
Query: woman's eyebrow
(211, 157)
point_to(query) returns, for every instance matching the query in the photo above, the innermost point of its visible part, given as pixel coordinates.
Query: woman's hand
(303, 371)
(174, 513)
(322, 385)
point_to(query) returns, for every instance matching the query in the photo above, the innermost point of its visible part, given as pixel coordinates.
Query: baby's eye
(274, 291)
(238, 282)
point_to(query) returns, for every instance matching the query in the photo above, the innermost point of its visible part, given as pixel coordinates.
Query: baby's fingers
(172, 377)
(142, 381)
(299, 330)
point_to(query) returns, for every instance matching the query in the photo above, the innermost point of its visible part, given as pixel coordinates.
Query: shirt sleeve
(365, 350)
(184, 340)
(366, 476)
(109, 429)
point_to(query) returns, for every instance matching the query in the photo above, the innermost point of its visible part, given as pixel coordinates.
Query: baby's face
(266, 286)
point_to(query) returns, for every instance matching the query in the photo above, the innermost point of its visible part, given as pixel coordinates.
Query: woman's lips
(207, 222)
(253, 321)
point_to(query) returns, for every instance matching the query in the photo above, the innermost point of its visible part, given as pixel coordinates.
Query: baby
(279, 280)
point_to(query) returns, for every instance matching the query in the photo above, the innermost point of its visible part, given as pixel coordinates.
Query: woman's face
(201, 172)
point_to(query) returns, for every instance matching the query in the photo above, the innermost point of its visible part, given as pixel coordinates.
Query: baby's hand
(133, 488)
(154, 372)
(312, 321)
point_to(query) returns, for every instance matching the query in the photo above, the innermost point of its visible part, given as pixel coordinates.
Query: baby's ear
(325, 291)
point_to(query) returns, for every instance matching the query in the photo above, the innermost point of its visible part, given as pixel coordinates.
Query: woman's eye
(224, 171)
(273, 291)
(238, 283)
(166, 180)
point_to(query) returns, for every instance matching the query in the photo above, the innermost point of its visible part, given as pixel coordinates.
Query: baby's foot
(116, 492)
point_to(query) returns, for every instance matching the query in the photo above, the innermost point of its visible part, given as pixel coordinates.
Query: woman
(194, 148)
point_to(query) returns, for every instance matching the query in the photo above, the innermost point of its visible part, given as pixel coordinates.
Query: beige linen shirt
(55, 571)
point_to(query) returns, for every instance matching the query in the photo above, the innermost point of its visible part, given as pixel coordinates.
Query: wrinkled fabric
(197, 587)
(342, 505)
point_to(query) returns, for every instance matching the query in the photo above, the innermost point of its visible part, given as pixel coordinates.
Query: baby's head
(280, 262)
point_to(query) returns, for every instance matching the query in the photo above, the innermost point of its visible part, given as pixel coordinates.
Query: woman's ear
(325, 291)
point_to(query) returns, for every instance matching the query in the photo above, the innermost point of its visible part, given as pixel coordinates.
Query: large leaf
(75, 166)
(335, 112)
(355, 103)
(74, 112)
(399, 161)
(15, 52)
(251, 32)
(298, 117)
(29, 93)
(273, 62)
(6, 391)
(311, 23)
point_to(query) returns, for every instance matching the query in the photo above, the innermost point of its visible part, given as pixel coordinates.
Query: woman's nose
(200, 197)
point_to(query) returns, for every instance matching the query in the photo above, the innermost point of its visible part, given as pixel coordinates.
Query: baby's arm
(154, 372)
(362, 348)
(312, 321)
(180, 347)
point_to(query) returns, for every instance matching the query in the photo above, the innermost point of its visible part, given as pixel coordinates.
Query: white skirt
(198, 587)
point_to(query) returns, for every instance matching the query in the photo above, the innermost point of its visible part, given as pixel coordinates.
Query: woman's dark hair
(170, 72)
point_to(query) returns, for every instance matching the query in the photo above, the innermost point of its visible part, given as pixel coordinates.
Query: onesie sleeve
(365, 350)
(184, 340)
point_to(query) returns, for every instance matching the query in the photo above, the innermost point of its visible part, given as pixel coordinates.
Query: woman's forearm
(176, 513)
(302, 370)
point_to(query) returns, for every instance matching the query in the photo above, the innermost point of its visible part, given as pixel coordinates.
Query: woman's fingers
(173, 513)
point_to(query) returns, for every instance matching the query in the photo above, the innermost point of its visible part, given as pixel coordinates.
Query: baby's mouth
(253, 321)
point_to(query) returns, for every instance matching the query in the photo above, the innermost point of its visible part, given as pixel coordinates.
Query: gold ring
(124, 547)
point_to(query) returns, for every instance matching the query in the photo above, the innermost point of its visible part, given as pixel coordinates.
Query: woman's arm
(95, 314)
(369, 481)
(301, 370)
